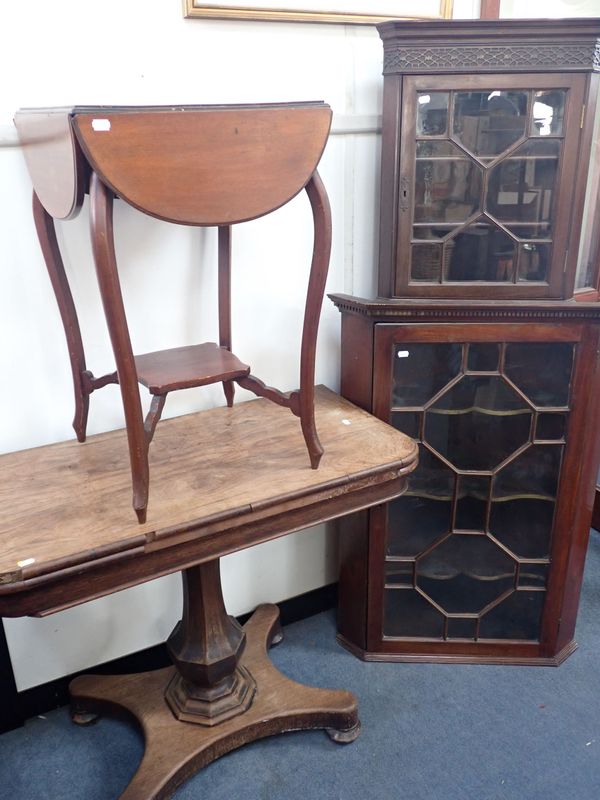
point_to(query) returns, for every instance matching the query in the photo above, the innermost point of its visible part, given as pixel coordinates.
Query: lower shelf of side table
(185, 367)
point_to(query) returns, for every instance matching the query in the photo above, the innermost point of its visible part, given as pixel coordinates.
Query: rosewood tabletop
(229, 478)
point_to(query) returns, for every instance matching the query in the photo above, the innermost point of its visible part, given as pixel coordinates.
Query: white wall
(69, 52)
(62, 55)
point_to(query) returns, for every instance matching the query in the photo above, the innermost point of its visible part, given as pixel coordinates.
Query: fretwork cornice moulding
(512, 45)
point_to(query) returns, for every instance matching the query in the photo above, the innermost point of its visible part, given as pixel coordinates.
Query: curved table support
(174, 751)
(314, 300)
(46, 231)
(101, 228)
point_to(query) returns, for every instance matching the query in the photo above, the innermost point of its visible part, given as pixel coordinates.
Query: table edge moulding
(247, 489)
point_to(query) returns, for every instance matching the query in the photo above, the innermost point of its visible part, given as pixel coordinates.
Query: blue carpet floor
(429, 732)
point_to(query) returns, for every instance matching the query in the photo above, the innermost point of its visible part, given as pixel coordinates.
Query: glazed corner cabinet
(477, 347)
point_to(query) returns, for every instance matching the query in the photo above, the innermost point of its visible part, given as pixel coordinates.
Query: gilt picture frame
(355, 12)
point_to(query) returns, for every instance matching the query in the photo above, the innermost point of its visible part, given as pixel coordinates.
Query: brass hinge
(582, 116)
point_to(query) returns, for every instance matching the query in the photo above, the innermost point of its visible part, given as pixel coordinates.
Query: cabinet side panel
(390, 143)
(357, 360)
(352, 591)
(579, 484)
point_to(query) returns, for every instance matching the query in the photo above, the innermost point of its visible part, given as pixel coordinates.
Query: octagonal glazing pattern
(465, 573)
(478, 422)
(468, 547)
(484, 185)
(487, 123)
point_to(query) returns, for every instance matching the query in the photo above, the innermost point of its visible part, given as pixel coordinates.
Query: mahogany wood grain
(596, 512)
(46, 231)
(197, 165)
(174, 750)
(314, 299)
(212, 166)
(247, 487)
(224, 240)
(371, 329)
(103, 246)
(206, 645)
(185, 367)
(55, 163)
(481, 55)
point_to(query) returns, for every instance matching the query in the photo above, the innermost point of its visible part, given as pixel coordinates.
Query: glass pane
(534, 473)
(548, 113)
(409, 422)
(533, 576)
(551, 426)
(465, 573)
(424, 512)
(523, 501)
(482, 252)
(478, 423)
(542, 370)
(524, 525)
(432, 232)
(517, 617)
(533, 230)
(438, 148)
(534, 261)
(471, 503)
(407, 613)
(489, 122)
(461, 628)
(447, 189)
(421, 370)
(399, 573)
(426, 262)
(521, 187)
(432, 113)
(483, 357)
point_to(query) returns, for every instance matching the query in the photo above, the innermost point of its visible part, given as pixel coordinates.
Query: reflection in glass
(517, 617)
(409, 422)
(432, 232)
(521, 187)
(524, 525)
(438, 148)
(533, 473)
(482, 252)
(551, 427)
(424, 512)
(548, 113)
(426, 262)
(421, 374)
(465, 573)
(399, 573)
(407, 613)
(461, 628)
(483, 357)
(478, 423)
(534, 261)
(487, 123)
(533, 576)
(446, 189)
(432, 113)
(523, 501)
(542, 370)
(472, 502)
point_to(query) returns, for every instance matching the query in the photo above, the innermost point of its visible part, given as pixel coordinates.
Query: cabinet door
(467, 554)
(487, 174)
